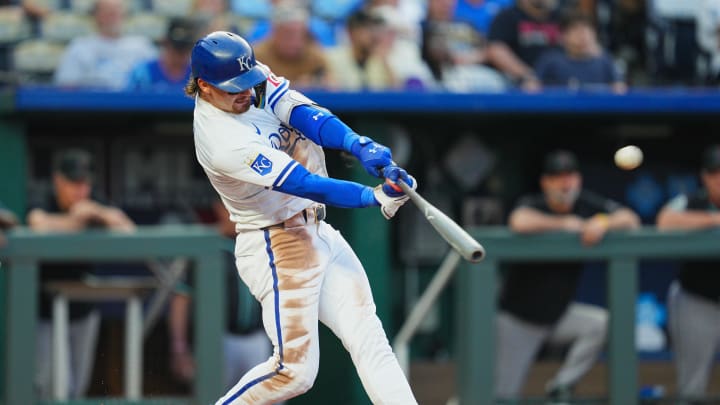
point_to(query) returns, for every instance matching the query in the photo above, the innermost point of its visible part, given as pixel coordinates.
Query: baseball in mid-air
(628, 157)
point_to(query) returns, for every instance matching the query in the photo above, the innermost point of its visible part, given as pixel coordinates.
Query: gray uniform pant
(83, 338)
(694, 325)
(583, 326)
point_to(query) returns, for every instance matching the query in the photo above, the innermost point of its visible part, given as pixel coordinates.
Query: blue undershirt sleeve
(323, 127)
(338, 193)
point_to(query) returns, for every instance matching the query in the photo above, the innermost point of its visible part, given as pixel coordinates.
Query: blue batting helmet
(226, 61)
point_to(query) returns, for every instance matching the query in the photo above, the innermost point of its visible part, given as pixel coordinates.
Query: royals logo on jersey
(262, 165)
(286, 139)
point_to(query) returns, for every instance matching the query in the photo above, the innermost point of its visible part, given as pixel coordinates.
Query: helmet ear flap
(260, 92)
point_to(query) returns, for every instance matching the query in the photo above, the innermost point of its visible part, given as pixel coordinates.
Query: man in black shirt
(517, 37)
(536, 302)
(70, 209)
(694, 298)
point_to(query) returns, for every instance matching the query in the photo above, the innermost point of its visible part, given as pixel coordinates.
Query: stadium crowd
(452, 45)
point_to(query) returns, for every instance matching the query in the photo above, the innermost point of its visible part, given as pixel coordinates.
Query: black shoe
(560, 395)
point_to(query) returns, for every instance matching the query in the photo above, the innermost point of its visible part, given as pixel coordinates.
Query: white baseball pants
(302, 273)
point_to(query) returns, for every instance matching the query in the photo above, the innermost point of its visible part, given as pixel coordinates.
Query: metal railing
(477, 290)
(25, 249)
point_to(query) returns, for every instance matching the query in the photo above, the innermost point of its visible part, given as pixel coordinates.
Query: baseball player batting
(261, 145)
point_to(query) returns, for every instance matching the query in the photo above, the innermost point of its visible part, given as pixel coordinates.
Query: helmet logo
(245, 63)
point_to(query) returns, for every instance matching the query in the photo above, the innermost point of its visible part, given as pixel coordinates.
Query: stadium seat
(255, 9)
(84, 6)
(334, 10)
(65, 26)
(37, 58)
(49, 4)
(149, 25)
(172, 8)
(13, 25)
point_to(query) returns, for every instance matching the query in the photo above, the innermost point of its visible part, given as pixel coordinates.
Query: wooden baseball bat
(461, 241)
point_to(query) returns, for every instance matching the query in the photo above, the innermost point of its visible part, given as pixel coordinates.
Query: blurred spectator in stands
(7, 220)
(213, 13)
(708, 35)
(582, 63)
(480, 13)
(404, 56)
(103, 60)
(171, 70)
(623, 30)
(694, 298)
(405, 18)
(245, 343)
(536, 302)
(16, 13)
(363, 64)
(455, 52)
(291, 49)
(518, 35)
(71, 208)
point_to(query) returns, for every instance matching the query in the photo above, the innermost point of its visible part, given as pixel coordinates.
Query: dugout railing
(477, 291)
(19, 284)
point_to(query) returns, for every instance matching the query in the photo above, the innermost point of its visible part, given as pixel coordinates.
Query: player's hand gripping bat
(469, 248)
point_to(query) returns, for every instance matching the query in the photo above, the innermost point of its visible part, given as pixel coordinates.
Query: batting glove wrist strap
(389, 199)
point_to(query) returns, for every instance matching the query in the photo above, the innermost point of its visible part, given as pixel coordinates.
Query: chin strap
(259, 97)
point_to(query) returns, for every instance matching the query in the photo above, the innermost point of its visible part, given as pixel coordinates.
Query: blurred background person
(694, 297)
(455, 51)
(245, 343)
(7, 220)
(104, 59)
(517, 37)
(291, 49)
(536, 301)
(71, 208)
(363, 64)
(708, 35)
(171, 70)
(582, 63)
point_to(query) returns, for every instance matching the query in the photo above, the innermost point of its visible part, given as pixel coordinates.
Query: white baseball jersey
(246, 155)
(300, 269)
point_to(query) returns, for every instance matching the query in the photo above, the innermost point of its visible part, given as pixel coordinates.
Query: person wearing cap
(261, 144)
(694, 297)
(105, 58)
(363, 63)
(291, 49)
(71, 208)
(171, 70)
(536, 302)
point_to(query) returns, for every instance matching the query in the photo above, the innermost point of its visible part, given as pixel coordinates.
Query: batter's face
(236, 103)
(561, 190)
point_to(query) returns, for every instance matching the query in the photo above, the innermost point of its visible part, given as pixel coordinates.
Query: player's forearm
(503, 58)
(623, 219)
(323, 127)
(178, 323)
(527, 220)
(334, 192)
(45, 222)
(671, 219)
